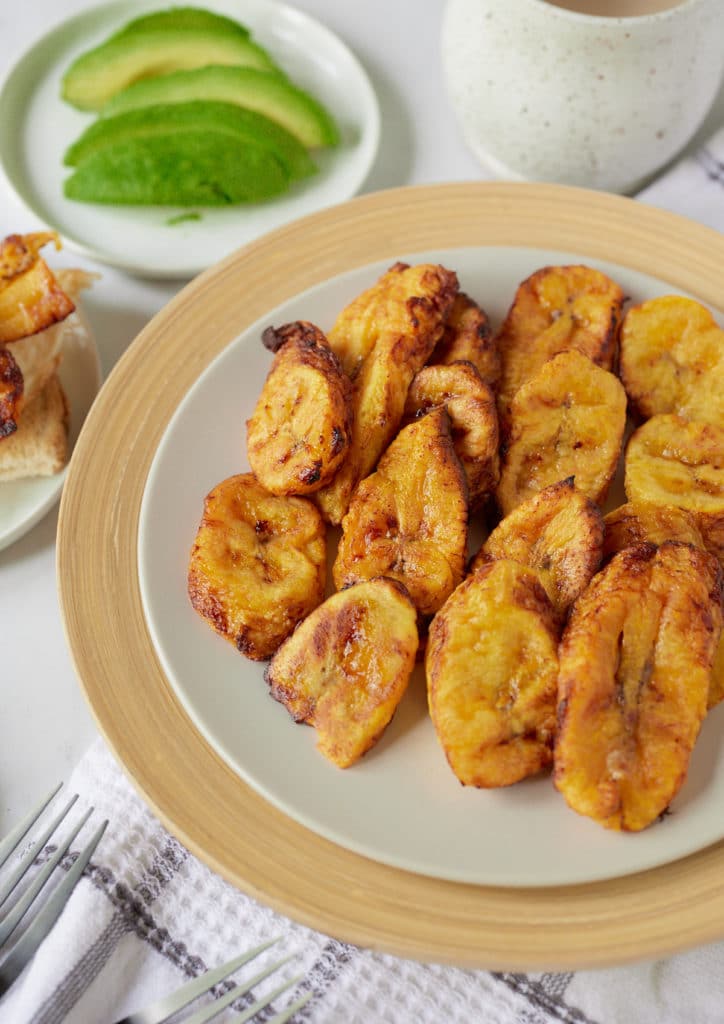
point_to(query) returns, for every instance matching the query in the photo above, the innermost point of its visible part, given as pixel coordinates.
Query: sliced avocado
(127, 57)
(267, 92)
(197, 115)
(182, 17)
(193, 168)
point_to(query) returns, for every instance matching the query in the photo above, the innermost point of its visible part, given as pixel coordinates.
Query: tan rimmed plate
(200, 798)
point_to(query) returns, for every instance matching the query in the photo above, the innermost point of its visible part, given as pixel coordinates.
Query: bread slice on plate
(39, 447)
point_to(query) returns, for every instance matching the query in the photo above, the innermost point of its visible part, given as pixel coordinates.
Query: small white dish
(23, 503)
(36, 127)
(400, 805)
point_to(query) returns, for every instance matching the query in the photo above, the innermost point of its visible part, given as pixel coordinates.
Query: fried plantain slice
(408, 520)
(491, 665)
(638, 522)
(382, 339)
(300, 429)
(559, 533)
(672, 359)
(673, 461)
(635, 665)
(468, 337)
(346, 667)
(470, 403)
(557, 308)
(11, 393)
(566, 421)
(31, 298)
(257, 565)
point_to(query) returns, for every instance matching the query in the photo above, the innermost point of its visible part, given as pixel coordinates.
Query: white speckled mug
(544, 92)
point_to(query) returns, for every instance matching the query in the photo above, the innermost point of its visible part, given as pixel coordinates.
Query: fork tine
(10, 921)
(165, 1007)
(17, 834)
(266, 1000)
(207, 1012)
(26, 947)
(33, 852)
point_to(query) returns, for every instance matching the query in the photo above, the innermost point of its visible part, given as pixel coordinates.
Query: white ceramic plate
(401, 804)
(36, 127)
(23, 503)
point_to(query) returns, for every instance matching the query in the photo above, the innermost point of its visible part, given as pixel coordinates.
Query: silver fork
(165, 1008)
(24, 949)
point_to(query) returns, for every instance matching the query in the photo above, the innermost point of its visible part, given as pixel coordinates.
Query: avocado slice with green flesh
(267, 92)
(192, 168)
(128, 57)
(182, 17)
(197, 115)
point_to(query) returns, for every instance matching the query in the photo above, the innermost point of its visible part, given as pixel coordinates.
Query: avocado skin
(193, 168)
(98, 74)
(197, 115)
(267, 92)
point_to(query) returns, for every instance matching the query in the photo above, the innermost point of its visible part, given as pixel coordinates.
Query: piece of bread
(39, 447)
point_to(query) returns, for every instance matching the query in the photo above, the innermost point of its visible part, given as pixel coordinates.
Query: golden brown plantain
(346, 667)
(31, 298)
(639, 522)
(382, 339)
(468, 337)
(672, 359)
(11, 393)
(555, 309)
(408, 520)
(635, 665)
(258, 564)
(559, 533)
(300, 429)
(566, 421)
(491, 665)
(473, 420)
(673, 461)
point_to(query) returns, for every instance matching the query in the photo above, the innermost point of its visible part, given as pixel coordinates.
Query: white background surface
(45, 725)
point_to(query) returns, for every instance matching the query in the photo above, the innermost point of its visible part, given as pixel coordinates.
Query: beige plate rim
(196, 795)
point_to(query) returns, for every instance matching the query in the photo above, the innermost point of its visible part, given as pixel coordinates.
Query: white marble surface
(45, 725)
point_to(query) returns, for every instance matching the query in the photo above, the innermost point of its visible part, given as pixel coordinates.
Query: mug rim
(616, 19)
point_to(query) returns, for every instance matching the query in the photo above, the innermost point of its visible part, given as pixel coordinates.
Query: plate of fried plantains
(419, 567)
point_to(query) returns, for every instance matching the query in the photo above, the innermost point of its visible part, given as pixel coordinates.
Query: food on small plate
(555, 309)
(408, 520)
(468, 337)
(672, 359)
(193, 112)
(567, 420)
(39, 445)
(491, 666)
(673, 461)
(470, 403)
(299, 432)
(382, 339)
(635, 667)
(346, 668)
(31, 297)
(143, 48)
(257, 565)
(558, 532)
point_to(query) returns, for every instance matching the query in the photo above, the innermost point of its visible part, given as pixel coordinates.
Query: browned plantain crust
(491, 667)
(257, 565)
(408, 520)
(468, 337)
(30, 297)
(635, 665)
(299, 432)
(11, 393)
(346, 667)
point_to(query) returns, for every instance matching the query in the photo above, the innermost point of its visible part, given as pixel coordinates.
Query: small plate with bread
(49, 375)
